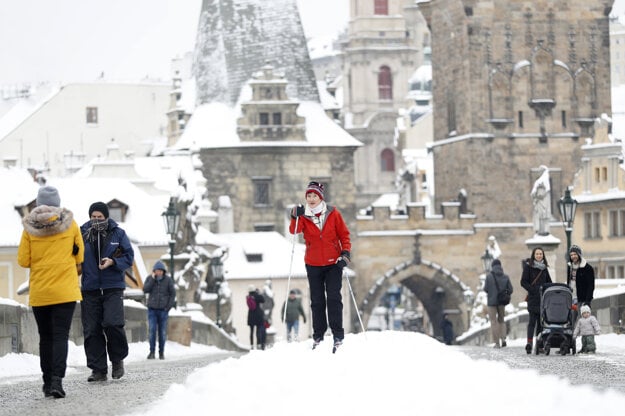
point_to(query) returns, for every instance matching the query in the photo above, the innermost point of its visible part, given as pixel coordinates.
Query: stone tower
(384, 46)
(517, 84)
(236, 37)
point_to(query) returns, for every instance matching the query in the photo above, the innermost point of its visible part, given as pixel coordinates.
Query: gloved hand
(574, 306)
(343, 260)
(297, 211)
(75, 250)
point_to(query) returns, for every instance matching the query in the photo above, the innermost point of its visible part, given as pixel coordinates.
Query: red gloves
(574, 307)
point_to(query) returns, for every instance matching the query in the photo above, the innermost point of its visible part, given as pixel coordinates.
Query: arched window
(387, 159)
(380, 7)
(385, 83)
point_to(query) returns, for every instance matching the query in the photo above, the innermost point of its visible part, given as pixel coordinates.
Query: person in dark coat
(496, 312)
(535, 274)
(161, 293)
(256, 317)
(448, 330)
(580, 277)
(108, 253)
(292, 313)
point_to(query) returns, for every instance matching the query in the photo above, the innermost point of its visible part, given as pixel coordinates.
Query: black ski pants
(325, 284)
(103, 327)
(53, 324)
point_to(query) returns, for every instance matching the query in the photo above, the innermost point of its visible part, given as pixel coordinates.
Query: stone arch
(585, 93)
(436, 287)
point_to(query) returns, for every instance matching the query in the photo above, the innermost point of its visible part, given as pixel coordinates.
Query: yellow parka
(51, 246)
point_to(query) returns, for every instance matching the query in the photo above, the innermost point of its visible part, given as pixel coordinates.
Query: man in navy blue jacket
(108, 254)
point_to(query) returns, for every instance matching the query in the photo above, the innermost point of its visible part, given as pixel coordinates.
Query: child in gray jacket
(587, 326)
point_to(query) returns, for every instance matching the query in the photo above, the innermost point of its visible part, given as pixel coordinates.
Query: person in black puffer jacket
(496, 311)
(535, 274)
(161, 293)
(256, 317)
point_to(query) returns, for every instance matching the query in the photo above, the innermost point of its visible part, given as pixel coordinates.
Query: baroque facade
(385, 44)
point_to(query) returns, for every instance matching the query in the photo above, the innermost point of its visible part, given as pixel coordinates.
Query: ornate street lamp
(567, 207)
(487, 261)
(172, 221)
(217, 270)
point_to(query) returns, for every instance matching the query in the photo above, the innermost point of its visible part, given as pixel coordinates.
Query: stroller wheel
(547, 348)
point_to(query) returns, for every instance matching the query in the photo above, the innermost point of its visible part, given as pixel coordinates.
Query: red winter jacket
(323, 246)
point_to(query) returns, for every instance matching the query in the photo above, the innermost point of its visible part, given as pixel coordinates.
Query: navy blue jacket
(116, 246)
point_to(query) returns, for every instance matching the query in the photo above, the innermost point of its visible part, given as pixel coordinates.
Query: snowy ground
(377, 373)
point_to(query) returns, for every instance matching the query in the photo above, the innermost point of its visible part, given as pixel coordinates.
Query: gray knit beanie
(48, 195)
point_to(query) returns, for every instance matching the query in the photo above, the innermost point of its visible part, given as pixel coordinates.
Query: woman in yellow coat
(52, 247)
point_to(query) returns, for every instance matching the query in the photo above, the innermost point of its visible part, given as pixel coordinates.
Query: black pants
(533, 326)
(103, 327)
(53, 323)
(325, 284)
(261, 336)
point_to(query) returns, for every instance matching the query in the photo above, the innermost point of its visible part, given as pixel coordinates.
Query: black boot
(118, 369)
(46, 385)
(56, 387)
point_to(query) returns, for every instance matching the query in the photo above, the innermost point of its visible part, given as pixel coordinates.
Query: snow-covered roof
(271, 248)
(214, 125)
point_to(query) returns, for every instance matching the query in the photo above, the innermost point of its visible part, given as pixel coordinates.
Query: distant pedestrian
(580, 277)
(328, 248)
(108, 253)
(52, 247)
(497, 281)
(256, 317)
(294, 310)
(448, 330)
(587, 326)
(161, 292)
(535, 274)
(269, 302)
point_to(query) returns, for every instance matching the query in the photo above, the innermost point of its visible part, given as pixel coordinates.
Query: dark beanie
(48, 195)
(496, 262)
(315, 187)
(100, 207)
(576, 249)
(159, 266)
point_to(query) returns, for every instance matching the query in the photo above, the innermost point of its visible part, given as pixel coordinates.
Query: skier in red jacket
(327, 252)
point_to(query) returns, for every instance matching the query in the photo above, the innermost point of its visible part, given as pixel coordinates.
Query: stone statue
(492, 247)
(541, 197)
(269, 301)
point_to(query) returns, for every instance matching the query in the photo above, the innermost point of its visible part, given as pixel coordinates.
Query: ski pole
(288, 282)
(349, 285)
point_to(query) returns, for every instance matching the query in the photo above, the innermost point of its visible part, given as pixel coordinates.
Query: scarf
(96, 234)
(540, 265)
(319, 214)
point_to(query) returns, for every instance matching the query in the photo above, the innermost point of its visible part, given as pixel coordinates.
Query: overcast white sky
(77, 40)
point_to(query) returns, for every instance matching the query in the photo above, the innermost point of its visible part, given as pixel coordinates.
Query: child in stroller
(556, 316)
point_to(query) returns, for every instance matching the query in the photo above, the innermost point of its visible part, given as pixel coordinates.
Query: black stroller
(556, 318)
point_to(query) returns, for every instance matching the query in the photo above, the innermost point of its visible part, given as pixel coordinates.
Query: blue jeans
(292, 326)
(157, 321)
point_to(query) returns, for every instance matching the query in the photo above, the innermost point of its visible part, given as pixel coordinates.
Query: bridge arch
(437, 289)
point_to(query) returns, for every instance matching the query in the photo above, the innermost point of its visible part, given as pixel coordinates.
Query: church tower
(516, 85)
(384, 46)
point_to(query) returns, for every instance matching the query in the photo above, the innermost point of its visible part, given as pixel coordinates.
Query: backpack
(503, 296)
(251, 302)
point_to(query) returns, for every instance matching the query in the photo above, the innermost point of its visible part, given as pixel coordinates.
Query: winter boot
(56, 387)
(46, 385)
(151, 355)
(118, 369)
(337, 343)
(528, 346)
(316, 342)
(503, 343)
(97, 376)
(161, 355)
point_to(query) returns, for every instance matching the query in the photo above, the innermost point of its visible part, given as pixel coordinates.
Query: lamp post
(217, 270)
(487, 261)
(172, 220)
(567, 207)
